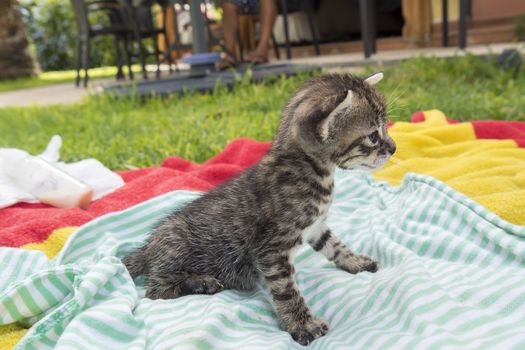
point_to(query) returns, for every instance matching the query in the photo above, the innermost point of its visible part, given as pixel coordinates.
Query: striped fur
(246, 230)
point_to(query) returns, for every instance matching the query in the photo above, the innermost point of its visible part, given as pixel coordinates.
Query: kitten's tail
(135, 262)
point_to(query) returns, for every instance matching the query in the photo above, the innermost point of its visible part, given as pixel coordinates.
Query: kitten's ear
(374, 78)
(328, 125)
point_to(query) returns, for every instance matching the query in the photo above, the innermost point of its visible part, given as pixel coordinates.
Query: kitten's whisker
(399, 95)
(393, 99)
(393, 117)
(397, 161)
(396, 98)
(393, 106)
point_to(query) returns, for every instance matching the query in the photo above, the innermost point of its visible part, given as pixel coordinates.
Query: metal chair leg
(167, 51)
(127, 52)
(314, 30)
(463, 10)
(85, 59)
(444, 22)
(118, 59)
(284, 9)
(177, 37)
(78, 61)
(142, 57)
(275, 48)
(156, 50)
(365, 27)
(372, 23)
(138, 38)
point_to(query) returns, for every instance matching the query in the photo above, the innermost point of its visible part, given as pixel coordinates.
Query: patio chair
(120, 29)
(368, 13)
(147, 29)
(368, 10)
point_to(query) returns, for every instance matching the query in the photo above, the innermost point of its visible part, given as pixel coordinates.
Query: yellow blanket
(492, 172)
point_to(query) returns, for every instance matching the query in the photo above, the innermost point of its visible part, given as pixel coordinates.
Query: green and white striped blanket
(451, 277)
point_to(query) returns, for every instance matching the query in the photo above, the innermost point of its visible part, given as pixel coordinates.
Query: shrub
(53, 31)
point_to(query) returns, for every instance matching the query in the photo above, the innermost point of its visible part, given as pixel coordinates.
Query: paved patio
(68, 94)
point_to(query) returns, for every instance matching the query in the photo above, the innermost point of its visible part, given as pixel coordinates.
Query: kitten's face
(340, 118)
(367, 149)
(357, 127)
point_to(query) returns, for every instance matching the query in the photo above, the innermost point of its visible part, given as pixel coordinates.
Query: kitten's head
(340, 118)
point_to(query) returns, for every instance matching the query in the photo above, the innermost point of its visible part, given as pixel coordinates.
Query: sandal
(227, 62)
(256, 60)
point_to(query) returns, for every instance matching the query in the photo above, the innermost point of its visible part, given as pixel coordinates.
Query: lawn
(50, 78)
(125, 133)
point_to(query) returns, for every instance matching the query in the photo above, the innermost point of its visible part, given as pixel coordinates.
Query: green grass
(132, 132)
(50, 78)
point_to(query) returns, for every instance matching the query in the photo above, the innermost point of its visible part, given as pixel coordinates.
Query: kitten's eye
(374, 137)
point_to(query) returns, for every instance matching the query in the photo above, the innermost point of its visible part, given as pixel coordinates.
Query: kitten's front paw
(367, 264)
(356, 264)
(307, 332)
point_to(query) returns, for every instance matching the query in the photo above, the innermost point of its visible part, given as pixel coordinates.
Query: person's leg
(267, 20)
(230, 23)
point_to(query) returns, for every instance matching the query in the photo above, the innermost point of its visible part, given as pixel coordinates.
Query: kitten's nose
(390, 146)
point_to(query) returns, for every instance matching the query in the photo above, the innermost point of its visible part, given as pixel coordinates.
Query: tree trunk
(15, 58)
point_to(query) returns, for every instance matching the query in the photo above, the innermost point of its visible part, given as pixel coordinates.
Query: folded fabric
(451, 276)
(482, 159)
(33, 179)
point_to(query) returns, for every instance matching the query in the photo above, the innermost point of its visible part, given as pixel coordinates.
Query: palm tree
(15, 58)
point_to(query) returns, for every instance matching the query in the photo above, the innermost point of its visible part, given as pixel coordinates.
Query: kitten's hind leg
(162, 286)
(200, 284)
(335, 250)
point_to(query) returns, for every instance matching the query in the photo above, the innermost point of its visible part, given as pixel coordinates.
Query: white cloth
(298, 28)
(88, 171)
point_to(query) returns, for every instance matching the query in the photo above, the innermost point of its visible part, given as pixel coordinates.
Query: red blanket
(32, 223)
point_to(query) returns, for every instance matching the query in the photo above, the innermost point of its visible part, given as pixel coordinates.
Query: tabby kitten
(247, 229)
